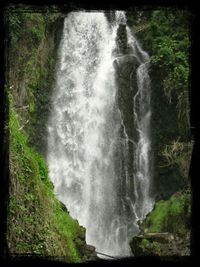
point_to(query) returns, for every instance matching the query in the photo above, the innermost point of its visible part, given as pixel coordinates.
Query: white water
(83, 134)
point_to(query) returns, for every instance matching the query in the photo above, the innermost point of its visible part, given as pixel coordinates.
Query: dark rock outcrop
(87, 252)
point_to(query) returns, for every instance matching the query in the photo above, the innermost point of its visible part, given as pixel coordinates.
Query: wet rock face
(125, 65)
(122, 39)
(167, 180)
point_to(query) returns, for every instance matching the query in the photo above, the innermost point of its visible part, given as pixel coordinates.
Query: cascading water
(84, 133)
(142, 115)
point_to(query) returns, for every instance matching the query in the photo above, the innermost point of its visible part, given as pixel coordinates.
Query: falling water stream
(84, 133)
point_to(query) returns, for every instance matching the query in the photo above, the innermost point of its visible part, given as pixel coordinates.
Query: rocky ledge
(161, 244)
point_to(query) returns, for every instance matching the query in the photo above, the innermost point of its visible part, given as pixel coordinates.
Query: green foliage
(15, 24)
(36, 221)
(68, 229)
(170, 43)
(170, 215)
(22, 19)
(157, 221)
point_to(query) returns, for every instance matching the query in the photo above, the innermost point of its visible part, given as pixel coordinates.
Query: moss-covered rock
(171, 215)
(166, 229)
(154, 246)
(141, 246)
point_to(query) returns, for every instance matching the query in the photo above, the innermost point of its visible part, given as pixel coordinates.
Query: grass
(36, 221)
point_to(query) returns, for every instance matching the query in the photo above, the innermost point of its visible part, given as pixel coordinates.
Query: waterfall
(86, 132)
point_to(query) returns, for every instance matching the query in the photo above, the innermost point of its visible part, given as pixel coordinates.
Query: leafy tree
(168, 34)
